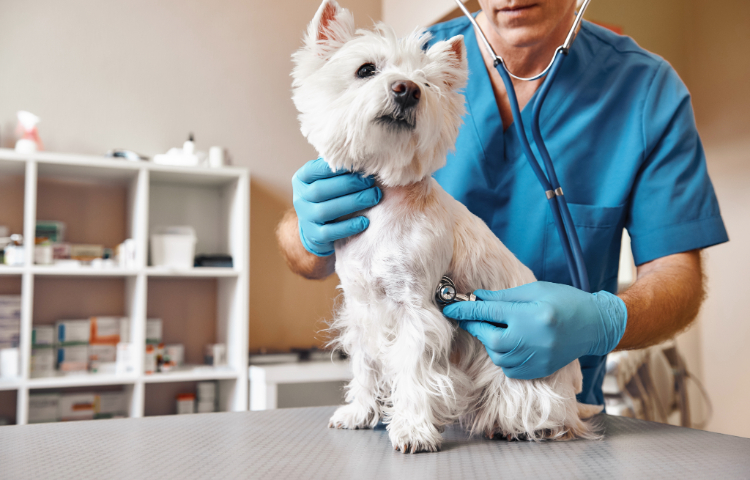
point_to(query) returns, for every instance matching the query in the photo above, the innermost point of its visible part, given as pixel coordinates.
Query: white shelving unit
(214, 201)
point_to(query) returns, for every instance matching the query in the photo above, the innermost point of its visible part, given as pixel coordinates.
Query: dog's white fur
(413, 367)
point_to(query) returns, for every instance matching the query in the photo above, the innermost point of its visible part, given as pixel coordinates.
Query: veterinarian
(619, 125)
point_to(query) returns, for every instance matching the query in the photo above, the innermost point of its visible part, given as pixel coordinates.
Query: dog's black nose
(406, 93)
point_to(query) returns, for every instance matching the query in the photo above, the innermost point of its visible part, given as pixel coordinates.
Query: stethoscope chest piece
(446, 293)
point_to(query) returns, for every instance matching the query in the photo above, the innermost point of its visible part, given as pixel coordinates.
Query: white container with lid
(173, 247)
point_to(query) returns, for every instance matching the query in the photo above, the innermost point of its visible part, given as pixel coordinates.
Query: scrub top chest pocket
(600, 231)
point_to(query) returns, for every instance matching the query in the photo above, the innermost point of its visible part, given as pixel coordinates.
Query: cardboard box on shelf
(10, 332)
(43, 407)
(86, 253)
(206, 391)
(43, 361)
(205, 407)
(10, 321)
(43, 335)
(153, 330)
(102, 353)
(110, 404)
(185, 403)
(73, 358)
(73, 331)
(124, 358)
(215, 354)
(77, 406)
(107, 330)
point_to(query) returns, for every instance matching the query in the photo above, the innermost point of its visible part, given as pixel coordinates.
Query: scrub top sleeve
(673, 207)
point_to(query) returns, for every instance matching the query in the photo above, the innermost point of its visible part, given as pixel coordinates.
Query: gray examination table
(296, 444)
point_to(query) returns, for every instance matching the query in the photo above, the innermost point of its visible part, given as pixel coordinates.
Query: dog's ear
(451, 54)
(331, 27)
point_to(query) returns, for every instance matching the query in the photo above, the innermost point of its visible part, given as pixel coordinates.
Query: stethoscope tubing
(557, 203)
(577, 267)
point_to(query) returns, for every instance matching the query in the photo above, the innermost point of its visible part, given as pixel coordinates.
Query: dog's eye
(367, 70)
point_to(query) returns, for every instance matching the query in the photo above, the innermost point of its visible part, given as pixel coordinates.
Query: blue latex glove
(548, 326)
(322, 196)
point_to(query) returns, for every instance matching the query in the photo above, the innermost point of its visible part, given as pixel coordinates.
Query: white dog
(372, 103)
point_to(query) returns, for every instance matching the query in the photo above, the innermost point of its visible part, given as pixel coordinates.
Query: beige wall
(719, 76)
(707, 42)
(141, 74)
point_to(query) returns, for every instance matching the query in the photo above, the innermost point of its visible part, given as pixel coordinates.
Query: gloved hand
(321, 196)
(548, 326)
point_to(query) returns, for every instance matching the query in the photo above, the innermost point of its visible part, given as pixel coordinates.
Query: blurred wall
(141, 74)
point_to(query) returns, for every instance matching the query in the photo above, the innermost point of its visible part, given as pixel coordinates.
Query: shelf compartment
(12, 196)
(57, 298)
(188, 310)
(93, 213)
(8, 399)
(161, 397)
(122, 407)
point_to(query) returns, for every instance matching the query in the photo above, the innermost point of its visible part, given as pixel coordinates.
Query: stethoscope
(553, 191)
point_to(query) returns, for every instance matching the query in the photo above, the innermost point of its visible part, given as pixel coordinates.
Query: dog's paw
(352, 417)
(415, 439)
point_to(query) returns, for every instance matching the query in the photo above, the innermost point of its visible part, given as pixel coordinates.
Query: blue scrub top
(619, 126)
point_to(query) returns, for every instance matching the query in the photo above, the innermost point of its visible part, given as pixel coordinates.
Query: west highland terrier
(373, 103)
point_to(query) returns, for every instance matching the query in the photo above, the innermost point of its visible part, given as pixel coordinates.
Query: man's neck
(525, 60)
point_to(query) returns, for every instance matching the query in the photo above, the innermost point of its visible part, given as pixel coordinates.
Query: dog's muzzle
(406, 94)
(402, 115)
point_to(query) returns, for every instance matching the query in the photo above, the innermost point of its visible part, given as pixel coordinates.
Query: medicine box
(43, 335)
(215, 354)
(43, 361)
(105, 330)
(102, 353)
(110, 404)
(77, 406)
(10, 306)
(10, 332)
(185, 403)
(124, 358)
(10, 321)
(73, 331)
(43, 407)
(206, 391)
(73, 358)
(153, 330)
(205, 407)
(175, 353)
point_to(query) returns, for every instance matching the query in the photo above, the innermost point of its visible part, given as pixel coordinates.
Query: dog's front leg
(362, 409)
(424, 396)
